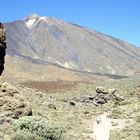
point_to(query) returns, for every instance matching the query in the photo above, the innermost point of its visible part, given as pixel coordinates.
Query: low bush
(21, 135)
(37, 126)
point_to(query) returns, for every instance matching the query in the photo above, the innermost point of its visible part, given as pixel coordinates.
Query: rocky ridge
(12, 106)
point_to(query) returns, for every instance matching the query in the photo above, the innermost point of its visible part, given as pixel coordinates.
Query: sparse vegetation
(66, 108)
(76, 118)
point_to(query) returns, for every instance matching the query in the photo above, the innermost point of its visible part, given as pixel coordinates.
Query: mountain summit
(49, 40)
(33, 16)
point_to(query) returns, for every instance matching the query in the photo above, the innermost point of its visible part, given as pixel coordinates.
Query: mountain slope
(45, 39)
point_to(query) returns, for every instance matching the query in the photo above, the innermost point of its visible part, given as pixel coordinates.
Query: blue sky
(118, 18)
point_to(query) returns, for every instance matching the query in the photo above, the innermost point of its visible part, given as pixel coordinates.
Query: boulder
(72, 103)
(111, 90)
(12, 104)
(101, 101)
(101, 89)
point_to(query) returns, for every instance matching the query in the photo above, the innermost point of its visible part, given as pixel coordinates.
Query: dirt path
(101, 127)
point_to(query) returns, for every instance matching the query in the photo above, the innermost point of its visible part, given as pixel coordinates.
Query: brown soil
(51, 86)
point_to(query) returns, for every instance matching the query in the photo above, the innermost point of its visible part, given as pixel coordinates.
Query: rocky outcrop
(2, 47)
(103, 90)
(103, 95)
(12, 106)
(12, 103)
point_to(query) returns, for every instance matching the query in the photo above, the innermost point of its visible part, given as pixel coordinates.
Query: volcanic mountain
(37, 42)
